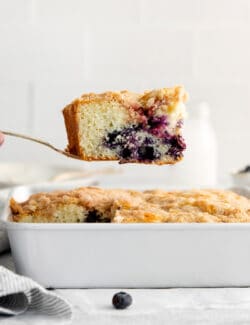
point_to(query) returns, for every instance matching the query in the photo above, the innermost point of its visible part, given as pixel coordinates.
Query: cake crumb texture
(90, 204)
(126, 126)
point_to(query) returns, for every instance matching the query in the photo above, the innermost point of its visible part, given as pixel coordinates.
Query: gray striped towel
(19, 294)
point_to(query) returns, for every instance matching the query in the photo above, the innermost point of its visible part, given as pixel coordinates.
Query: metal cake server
(45, 143)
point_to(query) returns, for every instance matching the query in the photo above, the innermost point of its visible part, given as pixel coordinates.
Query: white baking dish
(130, 255)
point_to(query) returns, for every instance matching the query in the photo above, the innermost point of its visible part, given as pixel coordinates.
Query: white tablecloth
(150, 306)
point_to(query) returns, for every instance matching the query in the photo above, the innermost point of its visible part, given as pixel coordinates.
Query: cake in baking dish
(129, 127)
(125, 206)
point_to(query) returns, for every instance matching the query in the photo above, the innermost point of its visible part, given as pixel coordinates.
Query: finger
(1, 138)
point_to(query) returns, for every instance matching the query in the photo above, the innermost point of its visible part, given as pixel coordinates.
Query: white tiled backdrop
(51, 51)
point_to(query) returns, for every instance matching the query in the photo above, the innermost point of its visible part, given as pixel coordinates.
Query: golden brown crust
(210, 206)
(71, 119)
(176, 93)
(126, 206)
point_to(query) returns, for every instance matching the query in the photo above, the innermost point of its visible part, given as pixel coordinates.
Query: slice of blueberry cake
(129, 127)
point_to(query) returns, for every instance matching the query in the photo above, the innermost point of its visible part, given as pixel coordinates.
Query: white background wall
(51, 51)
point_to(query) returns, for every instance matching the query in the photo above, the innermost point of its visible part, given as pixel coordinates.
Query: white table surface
(150, 306)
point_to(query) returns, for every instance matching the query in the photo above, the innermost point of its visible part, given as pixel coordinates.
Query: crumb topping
(135, 100)
(125, 206)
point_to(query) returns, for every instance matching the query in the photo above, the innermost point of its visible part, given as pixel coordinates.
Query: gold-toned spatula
(47, 144)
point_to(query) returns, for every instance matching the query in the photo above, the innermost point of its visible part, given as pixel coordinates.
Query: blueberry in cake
(129, 127)
(89, 205)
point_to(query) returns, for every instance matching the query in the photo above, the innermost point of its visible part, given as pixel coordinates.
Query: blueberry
(148, 140)
(147, 153)
(112, 136)
(157, 125)
(178, 141)
(126, 153)
(177, 146)
(94, 216)
(121, 300)
(157, 121)
(166, 138)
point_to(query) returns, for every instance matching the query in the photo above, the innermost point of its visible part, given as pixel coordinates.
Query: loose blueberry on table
(121, 300)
